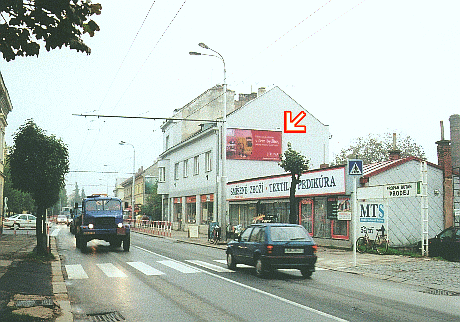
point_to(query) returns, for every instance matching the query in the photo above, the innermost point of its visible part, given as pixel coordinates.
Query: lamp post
(223, 167)
(134, 177)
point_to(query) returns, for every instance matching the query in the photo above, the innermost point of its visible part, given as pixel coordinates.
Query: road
(162, 279)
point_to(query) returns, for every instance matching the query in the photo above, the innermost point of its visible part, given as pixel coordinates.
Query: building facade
(5, 108)
(189, 167)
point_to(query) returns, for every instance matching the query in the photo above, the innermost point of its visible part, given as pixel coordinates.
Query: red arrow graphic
(292, 125)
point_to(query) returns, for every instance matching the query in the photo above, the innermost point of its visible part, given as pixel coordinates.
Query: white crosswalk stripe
(223, 261)
(144, 268)
(213, 267)
(183, 268)
(111, 270)
(75, 272)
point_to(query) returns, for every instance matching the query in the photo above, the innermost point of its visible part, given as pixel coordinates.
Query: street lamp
(223, 168)
(134, 174)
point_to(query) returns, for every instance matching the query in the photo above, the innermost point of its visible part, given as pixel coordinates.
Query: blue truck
(101, 218)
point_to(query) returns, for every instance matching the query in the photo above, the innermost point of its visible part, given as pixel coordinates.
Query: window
(196, 165)
(208, 161)
(176, 171)
(161, 174)
(245, 234)
(167, 142)
(185, 168)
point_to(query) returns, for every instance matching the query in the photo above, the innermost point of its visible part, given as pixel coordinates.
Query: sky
(360, 67)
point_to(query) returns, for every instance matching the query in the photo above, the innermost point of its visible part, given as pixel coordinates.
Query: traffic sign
(355, 167)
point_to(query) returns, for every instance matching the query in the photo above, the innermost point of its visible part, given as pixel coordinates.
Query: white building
(189, 166)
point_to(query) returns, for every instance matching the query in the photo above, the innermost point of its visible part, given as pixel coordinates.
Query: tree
(83, 195)
(294, 163)
(375, 148)
(56, 23)
(152, 207)
(38, 164)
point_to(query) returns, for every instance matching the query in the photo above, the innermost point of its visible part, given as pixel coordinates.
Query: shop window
(340, 229)
(306, 214)
(190, 210)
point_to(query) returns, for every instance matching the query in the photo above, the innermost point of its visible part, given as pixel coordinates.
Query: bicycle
(380, 244)
(215, 234)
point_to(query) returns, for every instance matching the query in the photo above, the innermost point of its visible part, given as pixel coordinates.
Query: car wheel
(231, 263)
(306, 272)
(260, 268)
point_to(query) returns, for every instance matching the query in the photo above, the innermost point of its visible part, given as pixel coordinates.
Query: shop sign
(177, 200)
(207, 198)
(344, 209)
(191, 199)
(372, 216)
(324, 182)
(401, 190)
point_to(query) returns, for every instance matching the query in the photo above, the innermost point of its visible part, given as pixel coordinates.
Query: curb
(59, 286)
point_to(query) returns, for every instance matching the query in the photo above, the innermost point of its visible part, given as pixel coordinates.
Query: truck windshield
(100, 205)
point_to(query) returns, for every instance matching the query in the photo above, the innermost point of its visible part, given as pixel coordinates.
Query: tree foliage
(38, 164)
(294, 163)
(375, 148)
(152, 207)
(56, 23)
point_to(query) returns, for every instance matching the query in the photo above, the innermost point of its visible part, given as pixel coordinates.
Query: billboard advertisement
(253, 145)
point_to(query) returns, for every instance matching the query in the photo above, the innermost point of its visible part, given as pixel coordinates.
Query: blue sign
(355, 167)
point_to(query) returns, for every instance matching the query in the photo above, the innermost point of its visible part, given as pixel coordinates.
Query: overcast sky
(358, 66)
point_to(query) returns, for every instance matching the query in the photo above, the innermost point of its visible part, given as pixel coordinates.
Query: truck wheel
(126, 243)
(77, 241)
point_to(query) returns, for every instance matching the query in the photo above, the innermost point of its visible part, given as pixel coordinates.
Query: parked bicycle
(379, 244)
(216, 234)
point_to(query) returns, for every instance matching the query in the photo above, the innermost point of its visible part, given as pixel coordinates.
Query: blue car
(270, 246)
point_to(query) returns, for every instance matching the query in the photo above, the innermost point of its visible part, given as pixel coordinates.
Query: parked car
(269, 246)
(61, 219)
(20, 221)
(446, 244)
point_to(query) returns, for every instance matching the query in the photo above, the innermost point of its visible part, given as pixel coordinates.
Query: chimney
(395, 154)
(444, 154)
(455, 140)
(260, 91)
(445, 161)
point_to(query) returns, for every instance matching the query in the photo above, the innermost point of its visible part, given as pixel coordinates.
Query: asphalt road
(162, 279)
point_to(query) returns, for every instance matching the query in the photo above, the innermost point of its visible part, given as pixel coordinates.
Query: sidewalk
(41, 286)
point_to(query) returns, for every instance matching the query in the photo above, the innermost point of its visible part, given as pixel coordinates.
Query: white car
(61, 219)
(20, 221)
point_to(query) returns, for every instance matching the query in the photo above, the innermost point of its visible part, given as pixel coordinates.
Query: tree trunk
(41, 231)
(293, 207)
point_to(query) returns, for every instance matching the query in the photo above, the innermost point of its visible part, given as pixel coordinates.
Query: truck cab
(101, 218)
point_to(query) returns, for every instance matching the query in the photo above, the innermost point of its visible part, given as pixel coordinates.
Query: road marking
(110, 270)
(213, 267)
(75, 272)
(144, 268)
(223, 261)
(183, 268)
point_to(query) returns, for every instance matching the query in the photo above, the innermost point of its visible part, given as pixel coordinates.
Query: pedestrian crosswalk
(77, 271)
(162, 267)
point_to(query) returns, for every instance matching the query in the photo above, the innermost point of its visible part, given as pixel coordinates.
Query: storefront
(324, 207)
(177, 214)
(190, 210)
(207, 206)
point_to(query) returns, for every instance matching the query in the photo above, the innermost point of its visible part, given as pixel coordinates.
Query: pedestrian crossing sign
(355, 167)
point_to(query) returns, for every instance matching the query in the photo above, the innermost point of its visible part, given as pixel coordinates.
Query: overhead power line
(149, 118)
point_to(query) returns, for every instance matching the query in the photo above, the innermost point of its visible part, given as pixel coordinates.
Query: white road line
(144, 268)
(179, 267)
(75, 272)
(223, 261)
(303, 307)
(213, 267)
(111, 270)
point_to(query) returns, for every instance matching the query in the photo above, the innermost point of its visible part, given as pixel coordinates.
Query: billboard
(253, 145)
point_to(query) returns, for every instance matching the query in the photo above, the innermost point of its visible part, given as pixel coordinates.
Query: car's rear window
(289, 233)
